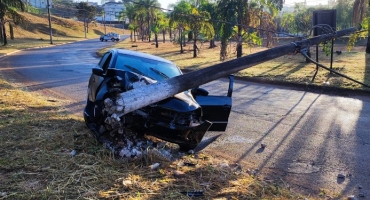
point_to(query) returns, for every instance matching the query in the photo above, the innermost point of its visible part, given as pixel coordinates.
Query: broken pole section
(144, 96)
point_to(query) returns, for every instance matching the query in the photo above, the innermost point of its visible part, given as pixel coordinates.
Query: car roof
(140, 54)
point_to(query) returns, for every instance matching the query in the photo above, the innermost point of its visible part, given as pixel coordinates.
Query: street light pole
(51, 30)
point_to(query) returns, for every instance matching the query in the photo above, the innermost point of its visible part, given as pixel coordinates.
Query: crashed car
(182, 119)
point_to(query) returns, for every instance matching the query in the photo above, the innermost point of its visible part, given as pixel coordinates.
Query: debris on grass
(46, 153)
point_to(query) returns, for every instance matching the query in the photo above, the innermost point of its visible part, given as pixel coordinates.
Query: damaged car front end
(179, 119)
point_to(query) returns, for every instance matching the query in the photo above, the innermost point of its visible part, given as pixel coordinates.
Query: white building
(39, 3)
(111, 12)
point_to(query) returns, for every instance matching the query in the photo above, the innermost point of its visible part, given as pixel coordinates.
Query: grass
(35, 32)
(37, 139)
(288, 68)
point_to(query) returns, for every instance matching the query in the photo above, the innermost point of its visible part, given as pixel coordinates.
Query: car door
(95, 80)
(216, 109)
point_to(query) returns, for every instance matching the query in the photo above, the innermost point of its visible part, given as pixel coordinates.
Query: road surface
(313, 141)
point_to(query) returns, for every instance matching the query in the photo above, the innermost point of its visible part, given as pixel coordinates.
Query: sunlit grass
(38, 136)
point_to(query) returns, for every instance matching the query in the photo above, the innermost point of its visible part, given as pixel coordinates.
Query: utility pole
(144, 96)
(51, 30)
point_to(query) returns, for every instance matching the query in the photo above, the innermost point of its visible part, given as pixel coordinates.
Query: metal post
(51, 30)
(331, 58)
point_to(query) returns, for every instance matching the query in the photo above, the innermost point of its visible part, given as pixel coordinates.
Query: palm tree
(198, 23)
(8, 13)
(130, 14)
(179, 16)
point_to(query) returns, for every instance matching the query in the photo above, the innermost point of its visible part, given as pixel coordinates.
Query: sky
(165, 3)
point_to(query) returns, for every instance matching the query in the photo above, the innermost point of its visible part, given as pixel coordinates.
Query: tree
(86, 13)
(8, 13)
(179, 16)
(130, 14)
(198, 23)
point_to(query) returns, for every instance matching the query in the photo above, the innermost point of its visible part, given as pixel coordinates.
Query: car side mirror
(199, 92)
(97, 71)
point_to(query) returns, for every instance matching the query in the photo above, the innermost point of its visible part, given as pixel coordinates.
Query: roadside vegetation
(46, 153)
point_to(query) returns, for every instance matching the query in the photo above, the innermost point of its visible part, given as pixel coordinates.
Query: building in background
(111, 12)
(39, 3)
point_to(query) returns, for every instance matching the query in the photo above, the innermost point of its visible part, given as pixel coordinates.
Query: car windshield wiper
(135, 70)
(160, 73)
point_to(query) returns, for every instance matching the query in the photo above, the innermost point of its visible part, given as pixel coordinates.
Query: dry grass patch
(35, 33)
(39, 138)
(288, 68)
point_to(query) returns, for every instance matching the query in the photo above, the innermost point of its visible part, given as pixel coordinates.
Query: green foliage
(85, 12)
(363, 33)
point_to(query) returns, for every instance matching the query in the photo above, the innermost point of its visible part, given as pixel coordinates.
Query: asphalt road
(310, 138)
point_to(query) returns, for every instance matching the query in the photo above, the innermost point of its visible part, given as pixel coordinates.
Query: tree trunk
(170, 35)
(183, 40)
(131, 36)
(11, 31)
(164, 36)
(87, 27)
(149, 28)
(180, 33)
(4, 35)
(156, 40)
(239, 47)
(212, 44)
(134, 36)
(195, 48)
(1, 33)
(368, 30)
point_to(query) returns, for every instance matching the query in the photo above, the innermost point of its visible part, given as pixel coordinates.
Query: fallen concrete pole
(144, 96)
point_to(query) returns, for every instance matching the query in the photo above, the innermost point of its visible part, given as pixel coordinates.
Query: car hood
(181, 102)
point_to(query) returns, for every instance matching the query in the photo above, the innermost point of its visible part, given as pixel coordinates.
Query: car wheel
(101, 39)
(106, 40)
(113, 40)
(117, 40)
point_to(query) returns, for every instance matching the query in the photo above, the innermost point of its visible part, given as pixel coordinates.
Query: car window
(104, 62)
(103, 59)
(154, 69)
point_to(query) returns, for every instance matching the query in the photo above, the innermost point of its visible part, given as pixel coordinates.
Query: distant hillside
(37, 27)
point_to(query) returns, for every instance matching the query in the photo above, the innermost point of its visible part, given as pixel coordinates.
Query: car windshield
(153, 69)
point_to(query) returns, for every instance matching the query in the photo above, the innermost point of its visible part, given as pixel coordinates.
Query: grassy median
(46, 153)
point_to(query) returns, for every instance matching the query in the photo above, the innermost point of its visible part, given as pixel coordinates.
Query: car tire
(117, 40)
(113, 39)
(106, 40)
(101, 39)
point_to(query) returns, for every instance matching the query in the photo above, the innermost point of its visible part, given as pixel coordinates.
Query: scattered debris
(127, 182)
(178, 174)
(193, 193)
(3, 194)
(191, 152)
(154, 166)
(362, 195)
(360, 187)
(351, 197)
(73, 153)
(341, 176)
(263, 145)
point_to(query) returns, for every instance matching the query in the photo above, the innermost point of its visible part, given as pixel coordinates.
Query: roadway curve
(310, 138)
